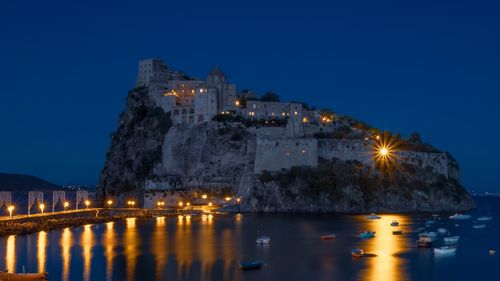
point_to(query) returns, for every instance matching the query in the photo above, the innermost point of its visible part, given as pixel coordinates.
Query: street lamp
(204, 196)
(10, 208)
(110, 202)
(42, 207)
(87, 203)
(66, 204)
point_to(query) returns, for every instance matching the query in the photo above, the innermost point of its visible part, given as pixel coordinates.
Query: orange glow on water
(66, 243)
(131, 241)
(159, 247)
(10, 254)
(41, 250)
(87, 242)
(109, 242)
(382, 252)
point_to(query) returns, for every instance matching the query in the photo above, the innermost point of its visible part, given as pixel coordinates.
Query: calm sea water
(211, 249)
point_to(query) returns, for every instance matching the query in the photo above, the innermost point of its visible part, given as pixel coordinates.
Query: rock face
(148, 148)
(135, 146)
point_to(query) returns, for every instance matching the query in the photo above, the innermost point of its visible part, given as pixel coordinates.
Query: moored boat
(373, 216)
(367, 234)
(394, 223)
(451, 239)
(328, 237)
(442, 230)
(445, 250)
(477, 226)
(357, 253)
(460, 217)
(397, 232)
(251, 265)
(263, 240)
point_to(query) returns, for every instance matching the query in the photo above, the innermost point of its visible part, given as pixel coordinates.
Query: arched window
(176, 112)
(191, 110)
(184, 111)
(200, 119)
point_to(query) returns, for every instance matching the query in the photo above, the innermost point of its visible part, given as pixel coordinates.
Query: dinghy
(459, 217)
(451, 239)
(357, 253)
(373, 216)
(397, 232)
(367, 234)
(442, 230)
(328, 237)
(251, 265)
(445, 250)
(22, 276)
(263, 240)
(394, 223)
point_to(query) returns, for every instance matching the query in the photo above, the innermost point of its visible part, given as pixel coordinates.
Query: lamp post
(10, 208)
(87, 203)
(42, 207)
(66, 204)
(110, 202)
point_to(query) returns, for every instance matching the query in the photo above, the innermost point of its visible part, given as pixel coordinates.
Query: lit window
(295, 113)
(253, 105)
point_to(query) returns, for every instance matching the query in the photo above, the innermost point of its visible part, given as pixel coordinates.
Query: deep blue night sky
(431, 67)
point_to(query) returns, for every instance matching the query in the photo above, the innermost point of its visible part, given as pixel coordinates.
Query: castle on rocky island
(181, 138)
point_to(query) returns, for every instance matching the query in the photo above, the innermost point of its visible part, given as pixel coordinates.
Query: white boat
(263, 240)
(477, 226)
(367, 234)
(442, 230)
(445, 250)
(394, 223)
(430, 222)
(373, 216)
(484, 218)
(459, 217)
(451, 239)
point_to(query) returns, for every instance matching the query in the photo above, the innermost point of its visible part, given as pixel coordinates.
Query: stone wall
(346, 150)
(437, 162)
(277, 154)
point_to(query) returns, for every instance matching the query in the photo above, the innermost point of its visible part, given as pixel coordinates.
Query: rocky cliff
(221, 153)
(135, 147)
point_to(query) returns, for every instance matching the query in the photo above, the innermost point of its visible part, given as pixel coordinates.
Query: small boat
(22, 276)
(484, 218)
(442, 230)
(430, 222)
(263, 240)
(431, 235)
(424, 243)
(251, 265)
(451, 239)
(394, 223)
(477, 226)
(491, 252)
(328, 237)
(397, 232)
(445, 250)
(367, 234)
(435, 216)
(373, 216)
(459, 217)
(357, 253)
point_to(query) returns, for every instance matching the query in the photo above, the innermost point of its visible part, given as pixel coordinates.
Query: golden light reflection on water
(131, 241)
(382, 259)
(87, 242)
(66, 243)
(109, 242)
(41, 250)
(10, 254)
(207, 246)
(159, 247)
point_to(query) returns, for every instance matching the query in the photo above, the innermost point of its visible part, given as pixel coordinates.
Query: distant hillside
(16, 182)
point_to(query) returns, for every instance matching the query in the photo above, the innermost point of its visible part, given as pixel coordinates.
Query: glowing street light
(160, 204)
(11, 209)
(87, 203)
(66, 204)
(42, 207)
(180, 204)
(188, 204)
(110, 202)
(204, 196)
(210, 204)
(131, 203)
(228, 199)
